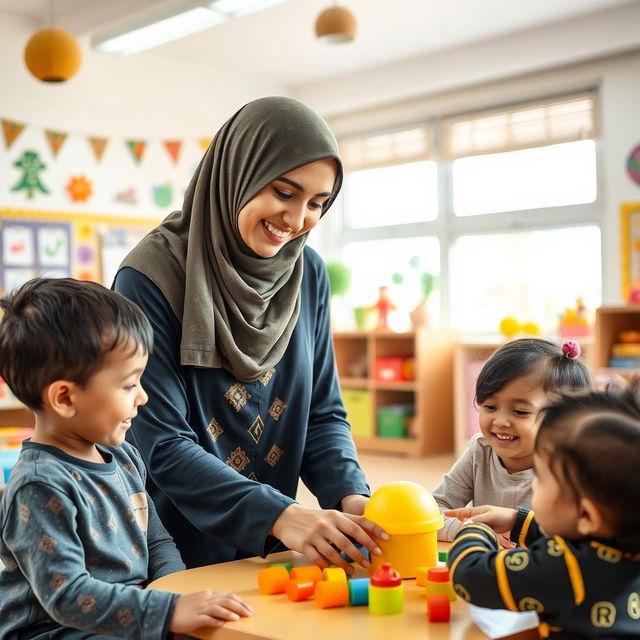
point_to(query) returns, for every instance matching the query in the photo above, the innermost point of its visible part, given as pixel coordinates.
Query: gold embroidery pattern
(277, 408)
(253, 476)
(237, 459)
(47, 544)
(274, 455)
(86, 603)
(553, 548)
(256, 429)
(214, 429)
(266, 378)
(125, 617)
(633, 606)
(57, 581)
(55, 505)
(25, 513)
(517, 561)
(462, 592)
(603, 614)
(237, 396)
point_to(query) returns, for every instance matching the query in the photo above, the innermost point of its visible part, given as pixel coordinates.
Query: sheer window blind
(386, 149)
(520, 127)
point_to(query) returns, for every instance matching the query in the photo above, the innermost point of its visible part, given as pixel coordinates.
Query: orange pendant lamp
(52, 55)
(336, 25)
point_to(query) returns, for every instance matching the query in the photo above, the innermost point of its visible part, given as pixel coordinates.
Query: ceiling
(278, 43)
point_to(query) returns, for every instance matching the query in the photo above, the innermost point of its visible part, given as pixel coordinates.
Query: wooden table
(277, 618)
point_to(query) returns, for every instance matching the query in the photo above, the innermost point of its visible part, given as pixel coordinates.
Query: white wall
(508, 70)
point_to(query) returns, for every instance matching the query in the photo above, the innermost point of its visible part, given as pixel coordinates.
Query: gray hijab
(237, 310)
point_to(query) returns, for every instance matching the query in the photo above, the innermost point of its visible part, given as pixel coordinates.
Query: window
(500, 205)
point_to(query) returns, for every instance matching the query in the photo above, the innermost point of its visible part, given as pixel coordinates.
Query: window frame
(448, 227)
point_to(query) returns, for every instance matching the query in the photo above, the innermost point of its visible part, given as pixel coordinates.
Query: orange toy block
(331, 593)
(438, 608)
(298, 590)
(272, 580)
(310, 572)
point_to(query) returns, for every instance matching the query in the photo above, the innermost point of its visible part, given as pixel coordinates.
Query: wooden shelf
(610, 321)
(430, 392)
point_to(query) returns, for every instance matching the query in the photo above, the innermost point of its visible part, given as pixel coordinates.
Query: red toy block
(438, 608)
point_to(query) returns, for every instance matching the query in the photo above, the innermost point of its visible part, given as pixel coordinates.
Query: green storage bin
(392, 420)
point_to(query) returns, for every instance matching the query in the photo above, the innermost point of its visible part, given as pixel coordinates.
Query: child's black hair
(524, 356)
(61, 328)
(592, 444)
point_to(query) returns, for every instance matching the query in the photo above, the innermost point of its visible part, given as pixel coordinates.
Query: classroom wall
(601, 50)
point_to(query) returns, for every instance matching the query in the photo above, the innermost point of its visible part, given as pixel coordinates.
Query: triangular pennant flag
(56, 140)
(173, 147)
(11, 131)
(137, 148)
(204, 143)
(98, 145)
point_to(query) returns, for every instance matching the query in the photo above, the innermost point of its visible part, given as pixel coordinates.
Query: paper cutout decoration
(162, 194)
(127, 196)
(11, 130)
(31, 164)
(56, 140)
(53, 246)
(204, 143)
(79, 189)
(633, 164)
(173, 147)
(137, 148)
(98, 145)
(18, 246)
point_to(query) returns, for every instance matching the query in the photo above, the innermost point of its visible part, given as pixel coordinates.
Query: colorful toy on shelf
(410, 515)
(510, 327)
(634, 294)
(393, 368)
(625, 352)
(438, 608)
(383, 306)
(386, 593)
(575, 322)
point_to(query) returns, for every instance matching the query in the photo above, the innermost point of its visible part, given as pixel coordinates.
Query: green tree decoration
(31, 164)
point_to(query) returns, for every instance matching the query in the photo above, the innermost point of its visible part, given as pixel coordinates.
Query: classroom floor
(381, 469)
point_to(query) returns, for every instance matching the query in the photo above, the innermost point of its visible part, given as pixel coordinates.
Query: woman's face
(287, 207)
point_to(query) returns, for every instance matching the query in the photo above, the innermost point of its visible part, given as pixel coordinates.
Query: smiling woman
(243, 392)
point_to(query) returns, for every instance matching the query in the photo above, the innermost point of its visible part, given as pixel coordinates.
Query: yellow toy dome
(404, 507)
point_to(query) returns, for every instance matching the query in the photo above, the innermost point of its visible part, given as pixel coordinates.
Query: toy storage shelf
(610, 321)
(430, 430)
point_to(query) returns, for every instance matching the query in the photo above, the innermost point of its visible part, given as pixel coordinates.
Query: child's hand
(500, 519)
(207, 609)
(321, 534)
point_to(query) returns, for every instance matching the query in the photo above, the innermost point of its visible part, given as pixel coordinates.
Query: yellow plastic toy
(510, 327)
(410, 515)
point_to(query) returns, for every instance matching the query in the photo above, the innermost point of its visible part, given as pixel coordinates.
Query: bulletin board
(59, 244)
(630, 246)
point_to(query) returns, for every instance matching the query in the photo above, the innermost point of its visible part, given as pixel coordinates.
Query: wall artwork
(630, 249)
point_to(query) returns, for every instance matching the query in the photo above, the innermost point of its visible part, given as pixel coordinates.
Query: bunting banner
(98, 145)
(56, 140)
(173, 147)
(137, 148)
(11, 130)
(204, 143)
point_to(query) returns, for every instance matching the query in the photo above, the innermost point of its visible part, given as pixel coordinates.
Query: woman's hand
(500, 519)
(354, 503)
(321, 534)
(207, 609)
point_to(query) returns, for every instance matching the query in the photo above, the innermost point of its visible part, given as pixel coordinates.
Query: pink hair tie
(571, 349)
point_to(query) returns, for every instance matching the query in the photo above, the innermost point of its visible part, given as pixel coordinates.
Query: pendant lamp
(336, 25)
(52, 55)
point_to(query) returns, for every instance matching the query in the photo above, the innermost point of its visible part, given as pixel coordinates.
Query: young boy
(78, 534)
(578, 565)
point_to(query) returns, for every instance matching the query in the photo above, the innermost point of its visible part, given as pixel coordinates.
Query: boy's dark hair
(592, 443)
(61, 328)
(524, 356)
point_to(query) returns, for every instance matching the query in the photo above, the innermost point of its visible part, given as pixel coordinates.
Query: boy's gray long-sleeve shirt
(478, 477)
(78, 540)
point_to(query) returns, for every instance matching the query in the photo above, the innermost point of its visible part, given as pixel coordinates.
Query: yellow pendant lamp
(52, 55)
(336, 25)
